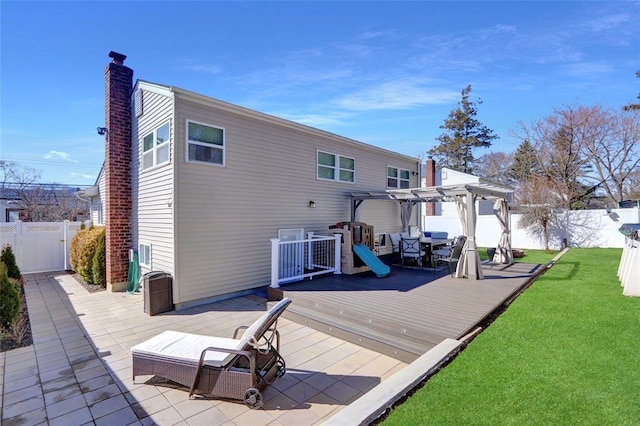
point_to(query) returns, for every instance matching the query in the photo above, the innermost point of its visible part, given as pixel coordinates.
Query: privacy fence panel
(39, 246)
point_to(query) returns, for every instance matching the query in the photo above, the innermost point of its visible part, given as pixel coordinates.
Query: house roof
(237, 109)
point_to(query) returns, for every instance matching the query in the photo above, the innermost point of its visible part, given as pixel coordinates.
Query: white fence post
(275, 262)
(338, 258)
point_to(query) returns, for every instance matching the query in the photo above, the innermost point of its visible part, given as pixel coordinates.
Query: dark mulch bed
(8, 343)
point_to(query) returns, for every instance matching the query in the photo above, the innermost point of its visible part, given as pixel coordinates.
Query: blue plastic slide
(371, 260)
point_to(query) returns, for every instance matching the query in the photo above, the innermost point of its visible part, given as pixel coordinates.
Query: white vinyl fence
(39, 246)
(580, 228)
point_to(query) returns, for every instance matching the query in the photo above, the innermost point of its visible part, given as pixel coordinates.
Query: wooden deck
(407, 313)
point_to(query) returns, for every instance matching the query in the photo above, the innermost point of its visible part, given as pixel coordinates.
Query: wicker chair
(237, 368)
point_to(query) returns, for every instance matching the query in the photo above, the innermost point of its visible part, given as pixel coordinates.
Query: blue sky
(384, 73)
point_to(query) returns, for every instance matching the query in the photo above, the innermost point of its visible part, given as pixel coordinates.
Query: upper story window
(155, 147)
(205, 143)
(336, 167)
(398, 178)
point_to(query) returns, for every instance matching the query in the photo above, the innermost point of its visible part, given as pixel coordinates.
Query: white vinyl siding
(152, 214)
(226, 216)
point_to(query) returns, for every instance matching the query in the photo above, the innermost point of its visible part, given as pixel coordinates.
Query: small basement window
(144, 255)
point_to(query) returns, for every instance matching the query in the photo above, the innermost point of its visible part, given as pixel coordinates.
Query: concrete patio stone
(78, 370)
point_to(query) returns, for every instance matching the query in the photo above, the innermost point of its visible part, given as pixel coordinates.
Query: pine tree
(525, 162)
(463, 133)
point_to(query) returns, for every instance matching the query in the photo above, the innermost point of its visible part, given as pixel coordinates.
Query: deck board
(408, 312)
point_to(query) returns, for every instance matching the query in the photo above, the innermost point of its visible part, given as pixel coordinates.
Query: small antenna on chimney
(118, 58)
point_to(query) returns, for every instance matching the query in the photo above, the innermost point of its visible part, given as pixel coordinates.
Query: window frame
(337, 168)
(155, 148)
(188, 141)
(398, 177)
(141, 259)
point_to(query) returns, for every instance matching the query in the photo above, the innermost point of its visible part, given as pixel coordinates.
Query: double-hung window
(336, 167)
(205, 143)
(155, 147)
(398, 178)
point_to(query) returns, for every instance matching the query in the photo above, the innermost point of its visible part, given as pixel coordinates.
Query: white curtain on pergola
(405, 214)
(469, 264)
(503, 250)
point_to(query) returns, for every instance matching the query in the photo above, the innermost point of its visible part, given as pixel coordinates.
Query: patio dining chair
(412, 249)
(234, 368)
(453, 256)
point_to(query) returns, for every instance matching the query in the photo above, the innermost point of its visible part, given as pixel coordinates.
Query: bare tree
(558, 143)
(38, 202)
(612, 143)
(50, 203)
(15, 177)
(539, 204)
(494, 166)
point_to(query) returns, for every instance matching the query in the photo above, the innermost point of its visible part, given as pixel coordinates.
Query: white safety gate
(39, 246)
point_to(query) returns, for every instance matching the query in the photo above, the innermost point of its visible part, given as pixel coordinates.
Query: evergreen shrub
(82, 251)
(99, 266)
(9, 298)
(8, 258)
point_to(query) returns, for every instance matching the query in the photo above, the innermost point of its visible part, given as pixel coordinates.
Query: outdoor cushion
(439, 235)
(189, 347)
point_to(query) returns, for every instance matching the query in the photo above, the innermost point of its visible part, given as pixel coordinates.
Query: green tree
(462, 134)
(633, 106)
(525, 162)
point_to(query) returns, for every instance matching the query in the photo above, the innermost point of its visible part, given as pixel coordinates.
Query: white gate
(39, 246)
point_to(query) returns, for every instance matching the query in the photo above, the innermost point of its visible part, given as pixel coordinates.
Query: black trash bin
(158, 293)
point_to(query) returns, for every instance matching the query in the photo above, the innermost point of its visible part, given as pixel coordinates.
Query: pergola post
(473, 270)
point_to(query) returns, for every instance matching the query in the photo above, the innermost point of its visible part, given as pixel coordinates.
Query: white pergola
(465, 196)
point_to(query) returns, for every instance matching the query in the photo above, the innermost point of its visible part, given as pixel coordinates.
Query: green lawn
(565, 352)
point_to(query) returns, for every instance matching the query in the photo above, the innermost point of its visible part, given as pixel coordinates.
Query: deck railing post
(275, 262)
(310, 250)
(338, 258)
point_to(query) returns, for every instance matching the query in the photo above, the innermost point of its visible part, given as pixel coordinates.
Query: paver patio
(78, 370)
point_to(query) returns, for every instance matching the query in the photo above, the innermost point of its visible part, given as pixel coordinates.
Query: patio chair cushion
(439, 235)
(189, 347)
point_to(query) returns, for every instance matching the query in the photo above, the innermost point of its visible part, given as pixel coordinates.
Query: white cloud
(588, 69)
(83, 175)
(397, 94)
(59, 156)
(203, 68)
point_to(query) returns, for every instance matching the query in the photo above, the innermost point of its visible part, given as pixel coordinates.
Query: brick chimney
(118, 87)
(430, 177)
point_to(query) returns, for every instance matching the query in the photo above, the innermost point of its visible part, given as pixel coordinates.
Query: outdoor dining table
(429, 244)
